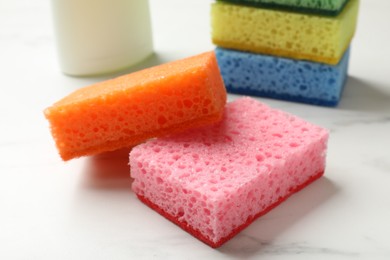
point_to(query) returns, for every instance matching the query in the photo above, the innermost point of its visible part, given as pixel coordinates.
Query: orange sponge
(126, 111)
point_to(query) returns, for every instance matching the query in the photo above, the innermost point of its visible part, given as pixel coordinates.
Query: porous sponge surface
(126, 111)
(294, 35)
(282, 78)
(325, 7)
(215, 180)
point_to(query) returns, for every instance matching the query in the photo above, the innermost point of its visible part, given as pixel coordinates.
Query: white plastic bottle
(101, 36)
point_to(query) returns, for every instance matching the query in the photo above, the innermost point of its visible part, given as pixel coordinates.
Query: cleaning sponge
(128, 110)
(325, 7)
(282, 78)
(214, 181)
(294, 35)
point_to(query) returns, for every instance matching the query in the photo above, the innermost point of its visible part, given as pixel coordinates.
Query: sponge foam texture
(128, 110)
(214, 181)
(282, 78)
(325, 7)
(293, 35)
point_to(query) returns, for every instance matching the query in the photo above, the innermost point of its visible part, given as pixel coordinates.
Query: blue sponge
(282, 78)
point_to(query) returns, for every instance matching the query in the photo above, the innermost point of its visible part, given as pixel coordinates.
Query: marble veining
(264, 247)
(363, 121)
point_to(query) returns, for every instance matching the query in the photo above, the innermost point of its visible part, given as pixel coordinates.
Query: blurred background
(85, 209)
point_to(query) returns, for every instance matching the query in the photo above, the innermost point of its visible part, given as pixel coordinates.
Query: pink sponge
(214, 181)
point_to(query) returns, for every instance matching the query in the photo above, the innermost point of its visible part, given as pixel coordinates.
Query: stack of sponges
(211, 169)
(295, 50)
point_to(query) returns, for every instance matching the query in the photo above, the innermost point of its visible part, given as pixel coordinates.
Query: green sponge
(324, 7)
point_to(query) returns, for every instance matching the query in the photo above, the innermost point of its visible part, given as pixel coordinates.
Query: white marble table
(85, 209)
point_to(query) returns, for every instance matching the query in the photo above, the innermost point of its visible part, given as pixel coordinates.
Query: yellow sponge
(289, 34)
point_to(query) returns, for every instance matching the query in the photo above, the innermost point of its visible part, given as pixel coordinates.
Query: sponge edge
(128, 110)
(292, 35)
(281, 78)
(214, 181)
(323, 7)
